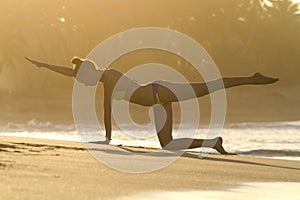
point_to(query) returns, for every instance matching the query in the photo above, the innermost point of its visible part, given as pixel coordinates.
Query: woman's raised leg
(202, 89)
(174, 92)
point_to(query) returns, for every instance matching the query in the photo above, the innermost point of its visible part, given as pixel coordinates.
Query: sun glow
(62, 19)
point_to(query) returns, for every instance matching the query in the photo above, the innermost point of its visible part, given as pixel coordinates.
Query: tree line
(242, 36)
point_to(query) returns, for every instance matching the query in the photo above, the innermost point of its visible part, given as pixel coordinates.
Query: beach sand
(46, 169)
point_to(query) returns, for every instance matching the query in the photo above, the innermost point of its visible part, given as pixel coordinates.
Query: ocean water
(276, 140)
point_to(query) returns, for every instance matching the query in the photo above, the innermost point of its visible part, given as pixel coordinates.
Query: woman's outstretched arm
(62, 70)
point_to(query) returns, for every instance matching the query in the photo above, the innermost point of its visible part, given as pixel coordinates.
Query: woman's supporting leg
(163, 118)
(164, 125)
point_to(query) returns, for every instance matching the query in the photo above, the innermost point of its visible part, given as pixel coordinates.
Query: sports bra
(120, 94)
(156, 94)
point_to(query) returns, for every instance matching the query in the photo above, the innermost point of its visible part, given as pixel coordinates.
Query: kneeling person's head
(86, 71)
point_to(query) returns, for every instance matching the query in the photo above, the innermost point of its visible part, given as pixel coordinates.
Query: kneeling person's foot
(261, 79)
(219, 146)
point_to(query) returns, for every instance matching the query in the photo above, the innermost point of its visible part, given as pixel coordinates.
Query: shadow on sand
(128, 151)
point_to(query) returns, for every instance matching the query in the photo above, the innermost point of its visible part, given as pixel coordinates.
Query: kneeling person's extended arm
(62, 70)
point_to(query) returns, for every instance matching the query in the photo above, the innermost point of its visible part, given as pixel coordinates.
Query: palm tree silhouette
(283, 11)
(10, 48)
(283, 26)
(11, 53)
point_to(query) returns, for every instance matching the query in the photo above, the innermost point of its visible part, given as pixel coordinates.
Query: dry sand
(45, 169)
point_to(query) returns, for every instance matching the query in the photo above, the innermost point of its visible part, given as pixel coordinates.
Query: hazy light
(178, 62)
(74, 28)
(242, 19)
(62, 19)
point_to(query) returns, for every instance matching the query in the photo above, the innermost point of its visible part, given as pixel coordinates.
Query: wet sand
(45, 169)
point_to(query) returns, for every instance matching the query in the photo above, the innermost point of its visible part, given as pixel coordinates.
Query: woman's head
(77, 61)
(86, 71)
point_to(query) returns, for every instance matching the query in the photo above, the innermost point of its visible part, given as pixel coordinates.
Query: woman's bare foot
(258, 78)
(219, 146)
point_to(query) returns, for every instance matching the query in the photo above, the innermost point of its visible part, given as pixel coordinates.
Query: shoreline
(278, 154)
(37, 168)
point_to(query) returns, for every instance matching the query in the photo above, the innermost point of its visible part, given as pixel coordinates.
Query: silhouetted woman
(119, 86)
